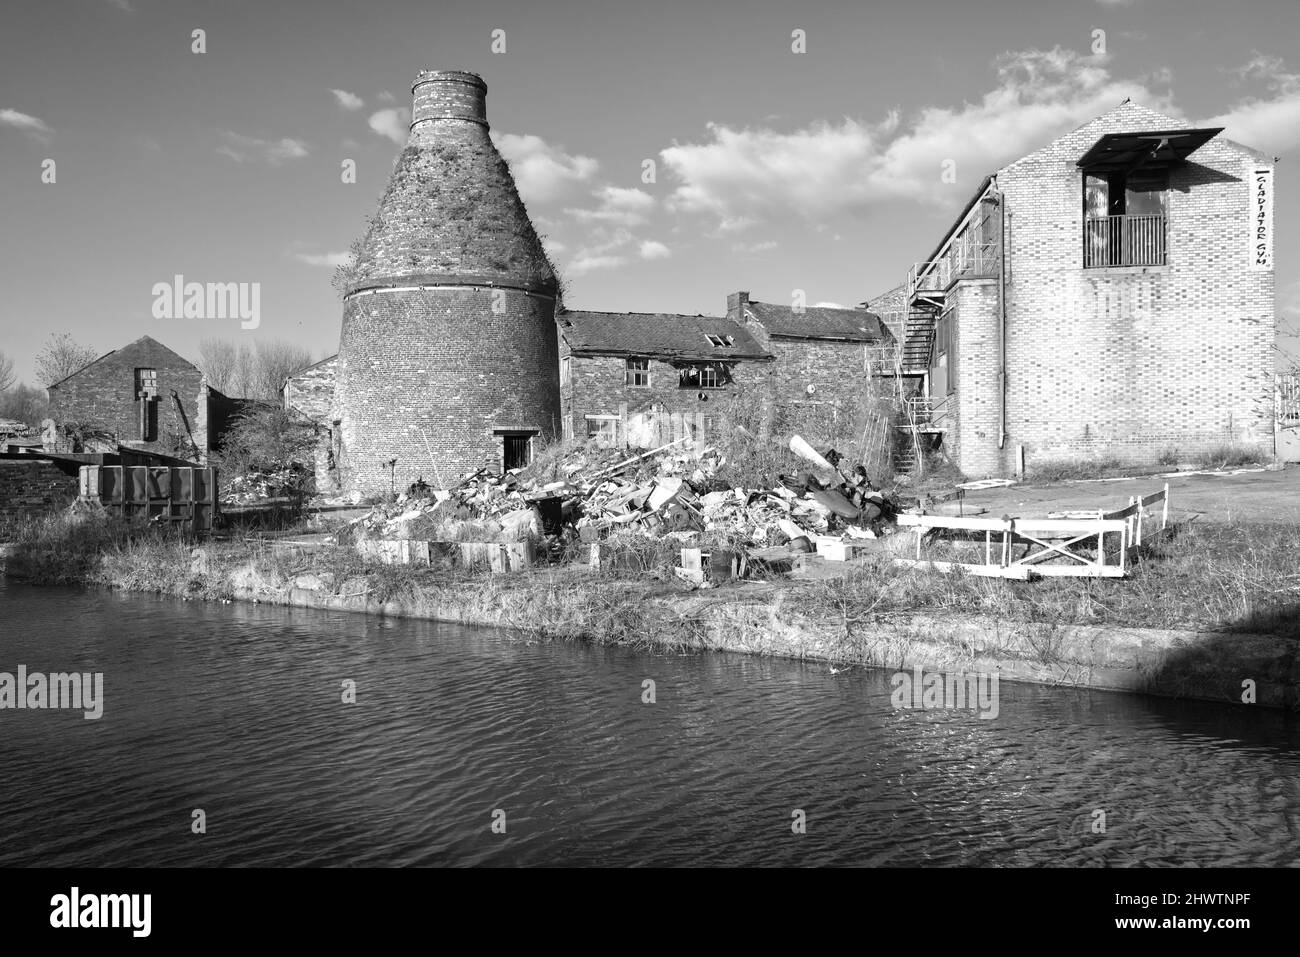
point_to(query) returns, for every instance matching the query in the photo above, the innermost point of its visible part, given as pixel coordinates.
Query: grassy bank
(1201, 577)
(1207, 607)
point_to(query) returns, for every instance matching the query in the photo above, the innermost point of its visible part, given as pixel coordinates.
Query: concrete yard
(1245, 497)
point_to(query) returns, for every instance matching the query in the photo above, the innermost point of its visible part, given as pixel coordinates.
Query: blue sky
(774, 171)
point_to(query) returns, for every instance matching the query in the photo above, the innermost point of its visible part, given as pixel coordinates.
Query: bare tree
(217, 360)
(60, 357)
(6, 372)
(276, 361)
(24, 403)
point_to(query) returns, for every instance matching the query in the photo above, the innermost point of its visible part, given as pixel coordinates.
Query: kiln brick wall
(439, 366)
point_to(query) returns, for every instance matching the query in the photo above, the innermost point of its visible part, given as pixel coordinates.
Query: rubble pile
(602, 494)
(253, 488)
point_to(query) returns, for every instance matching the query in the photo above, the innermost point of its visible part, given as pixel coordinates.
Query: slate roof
(659, 335)
(818, 322)
(141, 341)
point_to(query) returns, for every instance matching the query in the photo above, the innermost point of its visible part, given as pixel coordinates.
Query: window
(566, 373)
(638, 373)
(704, 375)
(146, 381)
(943, 379)
(603, 428)
(1124, 217)
(720, 342)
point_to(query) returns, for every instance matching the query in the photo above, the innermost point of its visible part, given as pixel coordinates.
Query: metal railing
(1124, 240)
(963, 260)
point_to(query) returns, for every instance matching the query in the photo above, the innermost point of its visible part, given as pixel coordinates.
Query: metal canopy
(1155, 149)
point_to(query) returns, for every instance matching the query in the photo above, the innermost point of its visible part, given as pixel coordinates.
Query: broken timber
(1056, 538)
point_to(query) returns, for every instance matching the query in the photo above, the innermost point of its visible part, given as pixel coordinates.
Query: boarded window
(566, 373)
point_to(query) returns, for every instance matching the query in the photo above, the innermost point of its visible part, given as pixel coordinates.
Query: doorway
(516, 449)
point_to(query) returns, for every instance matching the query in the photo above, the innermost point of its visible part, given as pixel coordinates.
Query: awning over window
(1156, 149)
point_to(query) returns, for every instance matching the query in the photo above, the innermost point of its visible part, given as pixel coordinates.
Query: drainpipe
(1005, 222)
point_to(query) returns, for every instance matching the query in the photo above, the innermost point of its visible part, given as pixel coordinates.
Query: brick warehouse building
(1111, 294)
(447, 356)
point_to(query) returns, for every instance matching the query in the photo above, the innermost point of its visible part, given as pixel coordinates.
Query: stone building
(447, 357)
(1108, 295)
(770, 364)
(618, 370)
(142, 396)
(824, 360)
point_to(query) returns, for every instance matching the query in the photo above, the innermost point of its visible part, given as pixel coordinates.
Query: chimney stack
(446, 95)
(737, 302)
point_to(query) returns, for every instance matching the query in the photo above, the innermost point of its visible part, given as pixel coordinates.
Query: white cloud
(830, 305)
(393, 123)
(349, 101)
(618, 205)
(322, 259)
(759, 247)
(544, 173)
(386, 97)
(1271, 121)
(243, 149)
(653, 249)
(1117, 3)
(585, 264)
(31, 125)
(123, 5)
(743, 176)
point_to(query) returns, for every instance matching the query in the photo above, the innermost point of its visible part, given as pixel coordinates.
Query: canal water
(237, 711)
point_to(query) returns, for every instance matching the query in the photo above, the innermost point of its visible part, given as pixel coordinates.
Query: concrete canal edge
(1205, 666)
(1197, 665)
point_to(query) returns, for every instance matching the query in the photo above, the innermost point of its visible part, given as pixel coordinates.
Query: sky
(669, 152)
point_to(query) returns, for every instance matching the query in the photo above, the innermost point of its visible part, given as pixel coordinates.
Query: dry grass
(1198, 577)
(1232, 455)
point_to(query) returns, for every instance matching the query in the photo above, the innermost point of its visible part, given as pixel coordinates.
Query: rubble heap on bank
(597, 494)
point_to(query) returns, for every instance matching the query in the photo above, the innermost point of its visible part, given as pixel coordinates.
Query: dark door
(516, 451)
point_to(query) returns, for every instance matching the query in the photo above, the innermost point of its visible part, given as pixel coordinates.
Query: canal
(238, 711)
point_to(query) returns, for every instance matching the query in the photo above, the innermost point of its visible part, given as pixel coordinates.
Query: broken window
(604, 429)
(719, 342)
(638, 373)
(704, 375)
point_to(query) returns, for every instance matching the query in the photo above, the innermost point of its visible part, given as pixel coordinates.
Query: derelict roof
(1153, 149)
(818, 322)
(140, 341)
(660, 335)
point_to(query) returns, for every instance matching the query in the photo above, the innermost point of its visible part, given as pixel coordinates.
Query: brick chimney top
(448, 95)
(737, 302)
